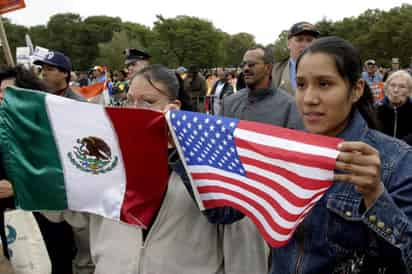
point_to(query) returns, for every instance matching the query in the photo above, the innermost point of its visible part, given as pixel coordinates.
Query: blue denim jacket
(339, 230)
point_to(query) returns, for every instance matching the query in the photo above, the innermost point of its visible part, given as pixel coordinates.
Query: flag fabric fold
(271, 174)
(63, 154)
(92, 90)
(11, 5)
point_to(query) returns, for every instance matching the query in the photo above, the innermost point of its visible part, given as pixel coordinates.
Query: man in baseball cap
(299, 37)
(136, 60)
(61, 239)
(371, 74)
(56, 69)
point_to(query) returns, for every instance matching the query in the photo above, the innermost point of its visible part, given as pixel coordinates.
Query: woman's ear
(357, 90)
(176, 104)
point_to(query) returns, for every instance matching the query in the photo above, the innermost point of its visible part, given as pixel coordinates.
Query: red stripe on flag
(269, 239)
(291, 135)
(303, 182)
(142, 136)
(287, 195)
(287, 155)
(284, 192)
(275, 226)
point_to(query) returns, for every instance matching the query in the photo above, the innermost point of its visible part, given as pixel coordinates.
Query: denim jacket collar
(356, 128)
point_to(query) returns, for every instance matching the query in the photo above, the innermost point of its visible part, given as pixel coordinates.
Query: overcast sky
(265, 19)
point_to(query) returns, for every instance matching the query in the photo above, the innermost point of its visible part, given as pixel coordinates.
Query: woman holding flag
(363, 223)
(180, 240)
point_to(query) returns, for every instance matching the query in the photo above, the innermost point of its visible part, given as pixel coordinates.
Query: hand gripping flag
(63, 154)
(271, 174)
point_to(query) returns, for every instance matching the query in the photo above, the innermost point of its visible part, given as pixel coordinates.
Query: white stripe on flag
(298, 191)
(287, 205)
(101, 194)
(270, 210)
(301, 170)
(261, 219)
(268, 140)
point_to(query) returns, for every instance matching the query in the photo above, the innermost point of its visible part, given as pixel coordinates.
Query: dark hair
(169, 79)
(123, 73)
(24, 78)
(267, 54)
(349, 66)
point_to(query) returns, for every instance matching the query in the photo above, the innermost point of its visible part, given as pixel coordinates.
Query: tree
(111, 53)
(15, 36)
(326, 27)
(104, 27)
(236, 46)
(280, 49)
(138, 32)
(39, 35)
(185, 40)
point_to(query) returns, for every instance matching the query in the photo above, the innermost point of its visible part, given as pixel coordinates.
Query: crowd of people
(363, 224)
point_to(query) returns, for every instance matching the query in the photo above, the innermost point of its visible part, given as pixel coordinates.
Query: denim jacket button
(381, 225)
(372, 218)
(348, 213)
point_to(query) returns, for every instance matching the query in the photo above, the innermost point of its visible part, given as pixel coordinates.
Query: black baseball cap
(303, 27)
(133, 55)
(55, 59)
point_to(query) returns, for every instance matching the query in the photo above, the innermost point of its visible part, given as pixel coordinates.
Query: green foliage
(377, 34)
(15, 36)
(236, 46)
(138, 32)
(185, 40)
(111, 53)
(280, 48)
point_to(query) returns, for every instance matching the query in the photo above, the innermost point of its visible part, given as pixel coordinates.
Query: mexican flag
(63, 154)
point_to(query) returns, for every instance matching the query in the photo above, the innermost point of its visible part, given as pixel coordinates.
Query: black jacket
(395, 122)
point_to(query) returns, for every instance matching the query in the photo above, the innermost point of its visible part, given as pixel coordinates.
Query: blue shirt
(376, 78)
(292, 73)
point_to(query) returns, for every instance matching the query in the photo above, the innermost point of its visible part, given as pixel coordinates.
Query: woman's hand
(6, 189)
(362, 167)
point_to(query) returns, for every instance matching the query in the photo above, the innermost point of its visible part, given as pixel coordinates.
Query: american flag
(271, 174)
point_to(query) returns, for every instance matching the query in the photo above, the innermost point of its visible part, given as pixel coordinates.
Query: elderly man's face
(398, 90)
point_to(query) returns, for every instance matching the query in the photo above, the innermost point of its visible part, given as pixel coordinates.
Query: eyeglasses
(131, 103)
(250, 64)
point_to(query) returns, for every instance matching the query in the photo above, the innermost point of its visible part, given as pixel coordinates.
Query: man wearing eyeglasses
(284, 73)
(136, 60)
(259, 102)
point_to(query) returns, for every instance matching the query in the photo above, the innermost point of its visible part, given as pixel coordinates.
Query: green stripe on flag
(30, 154)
